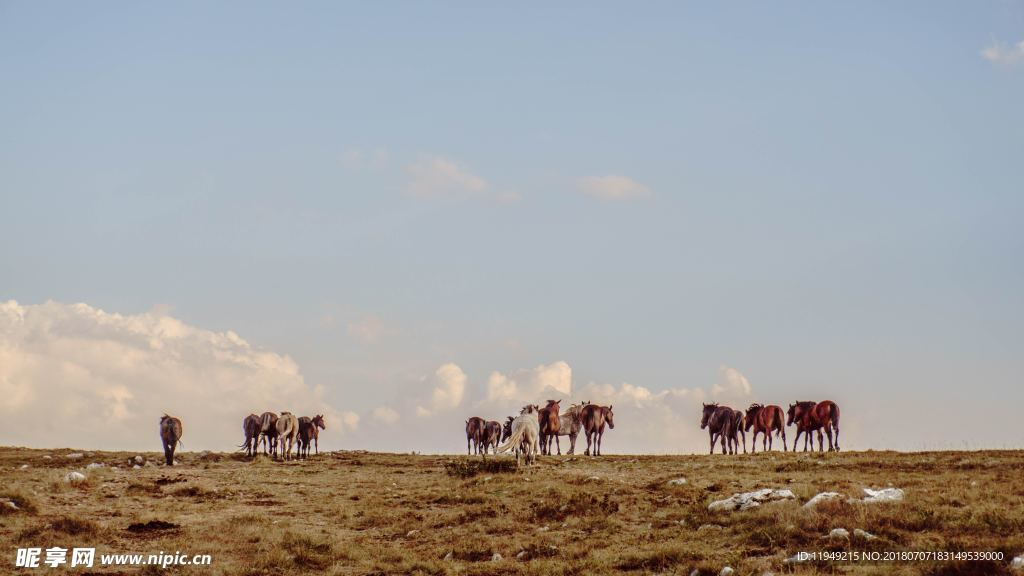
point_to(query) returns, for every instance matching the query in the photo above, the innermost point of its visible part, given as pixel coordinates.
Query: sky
(401, 215)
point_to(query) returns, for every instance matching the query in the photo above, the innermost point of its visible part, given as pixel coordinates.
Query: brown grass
(361, 513)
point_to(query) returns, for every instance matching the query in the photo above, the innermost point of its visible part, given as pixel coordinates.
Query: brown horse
(593, 418)
(506, 428)
(170, 435)
(309, 431)
(815, 416)
(549, 425)
(569, 425)
(739, 425)
(251, 428)
(474, 434)
(721, 423)
(491, 435)
(765, 420)
(268, 433)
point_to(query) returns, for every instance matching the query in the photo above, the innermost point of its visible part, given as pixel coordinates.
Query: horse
(170, 435)
(251, 428)
(506, 428)
(765, 420)
(569, 425)
(525, 435)
(815, 416)
(474, 434)
(268, 433)
(287, 431)
(309, 429)
(593, 419)
(549, 425)
(721, 422)
(491, 435)
(738, 430)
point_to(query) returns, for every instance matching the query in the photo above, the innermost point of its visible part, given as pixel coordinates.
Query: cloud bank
(76, 376)
(612, 188)
(1001, 54)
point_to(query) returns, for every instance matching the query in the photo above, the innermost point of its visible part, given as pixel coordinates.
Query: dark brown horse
(268, 433)
(739, 432)
(474, 434)
(721, 423)
(309, 431)
(815, 416)
(765, 420)
(506, 428)
(549, 425)
(251, 428)
(170, 435)
(593, 418)
(491, 435)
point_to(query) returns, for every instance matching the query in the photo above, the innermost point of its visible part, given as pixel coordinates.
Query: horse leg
(712, 436)
(821, 441)
(828, 431)
(836, 425)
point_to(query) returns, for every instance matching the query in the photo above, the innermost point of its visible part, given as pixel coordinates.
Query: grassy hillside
(363, 513)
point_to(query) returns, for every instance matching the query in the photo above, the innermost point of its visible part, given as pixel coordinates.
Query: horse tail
(835, 421)
(513, 440)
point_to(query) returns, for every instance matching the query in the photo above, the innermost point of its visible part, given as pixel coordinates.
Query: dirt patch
(151, 526)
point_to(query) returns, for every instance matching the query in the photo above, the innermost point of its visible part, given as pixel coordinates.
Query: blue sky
(824, 198)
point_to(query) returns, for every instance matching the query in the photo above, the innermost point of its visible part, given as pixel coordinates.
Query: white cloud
(1002, 54)
(369, 329)
(386, 415)
(449, 386)
(731, 384)
(437, 177)
(102, 380)
(527, 385)
(612, 187)
(362, 159)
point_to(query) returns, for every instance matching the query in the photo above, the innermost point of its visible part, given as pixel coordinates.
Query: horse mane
(755, 405)
(805, 403)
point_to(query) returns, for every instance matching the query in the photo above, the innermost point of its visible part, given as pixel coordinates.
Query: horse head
(609, 416)
(318, 421)
(709, 411)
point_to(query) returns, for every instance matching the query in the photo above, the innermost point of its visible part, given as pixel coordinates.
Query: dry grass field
(366, 513)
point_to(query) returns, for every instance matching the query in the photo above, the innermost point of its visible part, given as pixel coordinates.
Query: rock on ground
(839, 534)
(822, 497)
(727, 571)
(864, 534)
(749, 500)
(883, 495)
(677, 482)
(74, 477)
(496, 557)
(75, 456)
(1017, 563)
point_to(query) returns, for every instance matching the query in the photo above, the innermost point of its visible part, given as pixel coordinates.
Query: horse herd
(533, 430)
(728, 426)
(284, 431)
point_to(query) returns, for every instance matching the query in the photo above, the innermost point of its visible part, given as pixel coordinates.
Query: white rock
(136, 467)
(819, 498)
(857, 532)
(449, 556)
(23, 467)
(695, 572)
(543, 529)
(10, 504)
(74, 477)
(1017, 563)
(496, 558)
(521, 555)
(727, 571)
(47, 457)
(75, 456)
(139, 459)
(95, 465)
(593, 478)
(411, 533)
(749, 500)
(677, 482)
(839, 534)
(883, 495)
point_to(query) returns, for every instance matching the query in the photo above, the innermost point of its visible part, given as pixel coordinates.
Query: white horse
(287, 433)
(525, 436)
